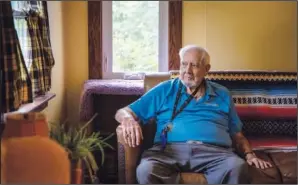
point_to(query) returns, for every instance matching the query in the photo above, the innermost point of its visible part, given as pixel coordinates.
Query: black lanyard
(163, 135)
(174, 113)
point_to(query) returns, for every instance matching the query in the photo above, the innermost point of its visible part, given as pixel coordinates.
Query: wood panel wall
(175, 33)
(94, 39)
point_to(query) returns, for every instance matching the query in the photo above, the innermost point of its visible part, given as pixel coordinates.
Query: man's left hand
(259, 163)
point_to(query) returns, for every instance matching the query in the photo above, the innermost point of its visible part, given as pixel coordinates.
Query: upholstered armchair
(130, 159)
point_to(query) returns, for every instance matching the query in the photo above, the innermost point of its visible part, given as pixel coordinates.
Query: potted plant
(80, 145)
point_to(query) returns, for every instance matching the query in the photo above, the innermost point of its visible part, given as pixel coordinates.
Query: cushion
(287, 165)
(264, 176)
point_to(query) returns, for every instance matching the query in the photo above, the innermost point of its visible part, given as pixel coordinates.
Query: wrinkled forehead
(192, 56)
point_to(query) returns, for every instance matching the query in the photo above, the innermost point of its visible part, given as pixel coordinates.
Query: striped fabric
(17, 85)
(266, 101)
(248, 76)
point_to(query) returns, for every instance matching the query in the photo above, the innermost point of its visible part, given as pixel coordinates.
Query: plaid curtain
(44, 29)
(24, 38)
(41, 52)
(16, 88)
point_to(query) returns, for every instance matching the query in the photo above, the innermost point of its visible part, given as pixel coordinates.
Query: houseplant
(80, 146)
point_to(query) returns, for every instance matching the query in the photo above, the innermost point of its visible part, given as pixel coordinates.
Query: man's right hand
(132, 131)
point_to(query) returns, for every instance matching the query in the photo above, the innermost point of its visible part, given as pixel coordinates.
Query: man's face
(192, 71)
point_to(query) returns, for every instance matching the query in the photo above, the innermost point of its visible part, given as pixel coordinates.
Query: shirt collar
(209, 88)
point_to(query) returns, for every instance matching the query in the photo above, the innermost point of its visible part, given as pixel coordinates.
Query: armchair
(132, 157)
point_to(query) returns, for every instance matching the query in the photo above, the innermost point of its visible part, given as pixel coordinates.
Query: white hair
(205, 58)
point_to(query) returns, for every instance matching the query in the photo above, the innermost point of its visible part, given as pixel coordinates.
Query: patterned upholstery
(252, 76)
(274, 127)
(265, 101)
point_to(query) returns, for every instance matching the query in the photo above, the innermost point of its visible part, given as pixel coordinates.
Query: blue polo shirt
(211, 119)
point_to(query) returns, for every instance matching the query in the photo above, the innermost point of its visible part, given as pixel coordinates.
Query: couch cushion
(264, 176)
(286, 162)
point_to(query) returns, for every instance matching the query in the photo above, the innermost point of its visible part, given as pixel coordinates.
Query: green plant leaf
(92, 161)
(102, 154)
(79, 144)
(111, 135)
(90, 121)
(89, 168)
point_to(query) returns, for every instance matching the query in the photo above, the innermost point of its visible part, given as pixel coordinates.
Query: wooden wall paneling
(95, 39)
(175, 33)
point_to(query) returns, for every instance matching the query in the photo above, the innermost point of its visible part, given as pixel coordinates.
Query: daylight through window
(134, 37)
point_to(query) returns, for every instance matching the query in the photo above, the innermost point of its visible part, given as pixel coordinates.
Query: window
(135, 37)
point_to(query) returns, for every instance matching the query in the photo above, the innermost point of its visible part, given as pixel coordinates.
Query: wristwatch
(246, 153)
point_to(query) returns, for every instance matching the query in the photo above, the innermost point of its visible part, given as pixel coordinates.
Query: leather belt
(194, 142)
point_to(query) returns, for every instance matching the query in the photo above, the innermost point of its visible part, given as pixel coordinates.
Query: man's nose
(188, 68)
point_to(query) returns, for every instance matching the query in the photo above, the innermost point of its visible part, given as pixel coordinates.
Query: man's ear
(207, 68)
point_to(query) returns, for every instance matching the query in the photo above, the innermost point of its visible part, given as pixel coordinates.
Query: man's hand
(251, 159)
(243, 146)
(132, 131)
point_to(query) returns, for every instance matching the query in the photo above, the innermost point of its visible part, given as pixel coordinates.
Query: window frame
(107, 42)
(95, 62)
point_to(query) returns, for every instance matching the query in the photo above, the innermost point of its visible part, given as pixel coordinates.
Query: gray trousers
(219, 165)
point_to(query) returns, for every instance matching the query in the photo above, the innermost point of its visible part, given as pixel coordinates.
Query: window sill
(39, 104)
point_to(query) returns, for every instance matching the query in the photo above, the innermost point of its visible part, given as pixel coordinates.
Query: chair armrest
(131, 158)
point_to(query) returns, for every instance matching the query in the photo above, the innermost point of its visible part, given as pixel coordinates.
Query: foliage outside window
(135, 37)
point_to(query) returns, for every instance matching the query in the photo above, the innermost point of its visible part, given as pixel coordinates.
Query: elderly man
(196, 125)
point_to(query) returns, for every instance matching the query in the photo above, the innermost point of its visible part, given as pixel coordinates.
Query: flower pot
(76, 172)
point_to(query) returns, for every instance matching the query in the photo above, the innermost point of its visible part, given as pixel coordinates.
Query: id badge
(169, 127)
(163, 138)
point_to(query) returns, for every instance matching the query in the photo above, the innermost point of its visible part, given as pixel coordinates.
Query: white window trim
(107, 55)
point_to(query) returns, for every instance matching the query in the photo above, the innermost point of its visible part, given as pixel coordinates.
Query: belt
(208, 144)
(194, 142)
